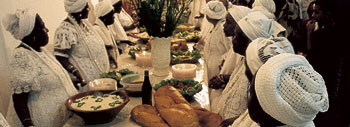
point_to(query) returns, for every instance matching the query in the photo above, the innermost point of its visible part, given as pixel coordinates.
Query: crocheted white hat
(289, 90)
(261, 49)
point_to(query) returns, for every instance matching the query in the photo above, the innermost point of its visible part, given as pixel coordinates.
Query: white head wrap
(267, 7)
(215, 10)
(103, 7)
(262, 49)
(238, 12)
(74, 6)
(20, 24)
(290, 90)
(256, 25)
(114, 1)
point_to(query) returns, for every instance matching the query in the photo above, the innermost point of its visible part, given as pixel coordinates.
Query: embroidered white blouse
(48, 84)
(84, 48)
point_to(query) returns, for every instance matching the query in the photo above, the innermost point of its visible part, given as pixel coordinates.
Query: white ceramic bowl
(133, 83)
(184, 71)
(102, 84)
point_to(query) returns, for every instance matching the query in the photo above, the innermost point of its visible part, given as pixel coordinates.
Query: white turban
(262, 49)
(114, 1)
(238, 12)
(256, 25)
(267, 7)
(20, 24)
(74, 6)
(290, 90)
(215, 10)
(102, 8)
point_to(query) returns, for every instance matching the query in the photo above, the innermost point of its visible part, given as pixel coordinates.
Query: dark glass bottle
(146, 90)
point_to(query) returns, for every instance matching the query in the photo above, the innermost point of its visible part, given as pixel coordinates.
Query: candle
(143, 59)
(184, 71)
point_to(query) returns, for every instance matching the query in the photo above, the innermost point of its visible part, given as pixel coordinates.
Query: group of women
(40, 82)
(259, 81)
(256, 78)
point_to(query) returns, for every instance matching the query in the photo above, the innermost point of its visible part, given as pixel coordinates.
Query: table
(123, 118)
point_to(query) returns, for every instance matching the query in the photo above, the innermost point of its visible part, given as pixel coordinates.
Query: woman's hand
(217, 83)
(79, 78)
(310, 26)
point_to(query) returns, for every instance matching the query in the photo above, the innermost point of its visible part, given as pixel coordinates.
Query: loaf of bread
(147, 116)
(174, 108)
(207, 118)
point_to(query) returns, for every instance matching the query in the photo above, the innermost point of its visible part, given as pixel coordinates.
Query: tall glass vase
(160, 52)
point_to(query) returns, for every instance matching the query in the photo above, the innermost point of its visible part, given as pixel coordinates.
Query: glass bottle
(146, 90)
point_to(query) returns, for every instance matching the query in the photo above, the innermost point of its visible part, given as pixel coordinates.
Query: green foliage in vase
(160, 17)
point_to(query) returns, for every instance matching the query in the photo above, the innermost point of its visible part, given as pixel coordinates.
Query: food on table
(116, 75)
(207, 118)
(189, 36)
(178, 45)
(96, 102)
(185, 57)
(147, 116)
(174, 109)
(187, 87)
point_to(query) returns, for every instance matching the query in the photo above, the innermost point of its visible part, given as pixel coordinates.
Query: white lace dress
(84, 48)
(216, 45)
(48, 84)
(234, 98)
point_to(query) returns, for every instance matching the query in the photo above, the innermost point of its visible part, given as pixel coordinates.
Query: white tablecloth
(123, 118)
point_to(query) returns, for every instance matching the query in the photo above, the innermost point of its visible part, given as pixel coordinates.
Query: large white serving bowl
(184, 71)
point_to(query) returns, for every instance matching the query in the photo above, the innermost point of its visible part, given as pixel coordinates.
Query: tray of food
(187, 87)
(185, 57)
(188, 36)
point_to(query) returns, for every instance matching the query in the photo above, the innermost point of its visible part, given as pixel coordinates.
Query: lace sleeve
(65, 37)
(23, 72)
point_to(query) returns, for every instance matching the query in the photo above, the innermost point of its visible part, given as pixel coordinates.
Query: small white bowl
(184, 71)
(103, 84)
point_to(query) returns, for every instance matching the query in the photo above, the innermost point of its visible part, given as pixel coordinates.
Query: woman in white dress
(216, 44)
(39, 84)
(77, 46)
(105, 16)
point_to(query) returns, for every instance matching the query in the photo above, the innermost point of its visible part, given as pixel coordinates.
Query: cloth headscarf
(114, 1)
(215, 10)
(290, 90)
(256, 25)
(267, 7)
(74, 6)
(238, 12)
(20, 24)
(262, 49)
(102, 8)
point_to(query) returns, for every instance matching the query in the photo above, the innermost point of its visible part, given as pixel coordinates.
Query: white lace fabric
(234, 98)
(85, 50)
(216, 45)
(48, 84)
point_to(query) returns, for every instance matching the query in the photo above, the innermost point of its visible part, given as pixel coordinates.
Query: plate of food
(189, 36)
(185, 57)
(178, 45)
(116, 75)
(187, 87)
